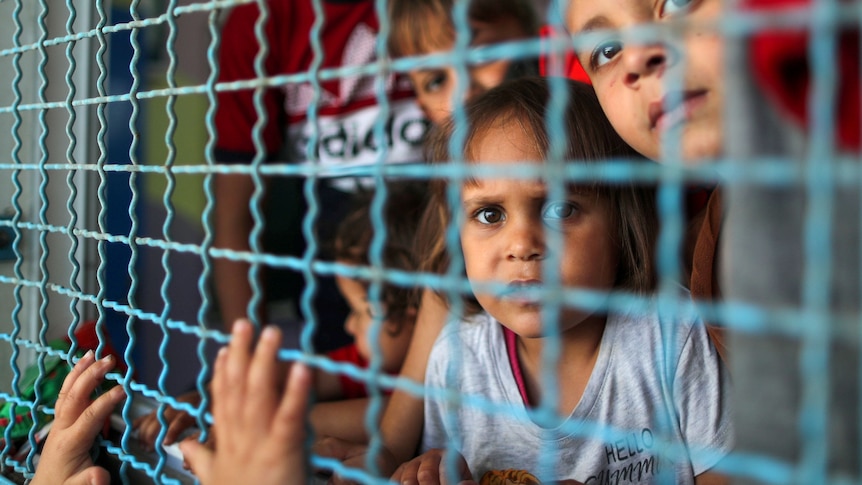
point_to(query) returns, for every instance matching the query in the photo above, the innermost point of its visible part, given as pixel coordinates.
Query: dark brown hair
(402, 211)
(417, 24)
(523, 104)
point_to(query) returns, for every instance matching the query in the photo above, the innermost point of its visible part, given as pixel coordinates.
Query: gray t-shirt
(655, 407)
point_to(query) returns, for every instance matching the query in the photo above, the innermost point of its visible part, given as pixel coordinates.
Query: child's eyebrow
(597, 22)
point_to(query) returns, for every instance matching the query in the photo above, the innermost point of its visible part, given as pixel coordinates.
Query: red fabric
(779, 60)
(517, 373)
(350, 354)
(288, 31)
(87, 339)
(571, 67)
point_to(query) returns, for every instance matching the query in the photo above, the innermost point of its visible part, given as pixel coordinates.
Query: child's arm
(342, 419)
(401, 426)
(327, 386)
(711, 478)
(148, 426)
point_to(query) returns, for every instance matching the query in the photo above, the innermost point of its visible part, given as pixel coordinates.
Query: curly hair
(402, 211)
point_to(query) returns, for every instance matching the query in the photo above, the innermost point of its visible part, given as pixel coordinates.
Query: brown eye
(489, 215)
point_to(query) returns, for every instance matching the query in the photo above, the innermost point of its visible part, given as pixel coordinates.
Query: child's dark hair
(412, 32)
(402, 211)
(523, 103)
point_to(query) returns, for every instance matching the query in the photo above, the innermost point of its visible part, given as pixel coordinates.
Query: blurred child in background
(421, 27)
(342, 401)
(343, 413)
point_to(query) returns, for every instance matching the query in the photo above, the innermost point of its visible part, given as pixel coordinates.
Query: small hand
(259, 431)
(352, 455)
(148, 426)
(77, 420)
(430, 468)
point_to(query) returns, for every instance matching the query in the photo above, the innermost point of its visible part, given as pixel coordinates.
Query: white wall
(30, 154)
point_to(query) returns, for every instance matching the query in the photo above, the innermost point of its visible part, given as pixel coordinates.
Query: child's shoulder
(469, 328)
(469, 333)
(667, 320)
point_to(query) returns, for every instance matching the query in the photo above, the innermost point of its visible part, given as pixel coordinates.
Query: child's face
(503, 238)
(630, 80)
(393, 347)
(434, 87)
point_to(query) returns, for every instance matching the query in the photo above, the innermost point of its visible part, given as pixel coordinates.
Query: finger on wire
(78, 397)
(220, 384)
(92, 419)
(199, 458)
(148, 429)
(68, 383)
(290, 418)
(91, 476)
(262, 386)
(239, 357)
(178, 423)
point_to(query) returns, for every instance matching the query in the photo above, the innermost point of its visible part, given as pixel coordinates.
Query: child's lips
(662, 116)
(524, 291)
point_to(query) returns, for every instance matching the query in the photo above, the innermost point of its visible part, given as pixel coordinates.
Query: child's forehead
(587, 15)
(427, 41)
(539, 187)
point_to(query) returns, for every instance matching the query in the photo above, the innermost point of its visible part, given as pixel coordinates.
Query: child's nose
(644, 60)
(350, 324)
(526, 242)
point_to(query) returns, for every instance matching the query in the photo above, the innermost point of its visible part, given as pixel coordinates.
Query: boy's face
(435, 87)
(393, 346)
(631, 80)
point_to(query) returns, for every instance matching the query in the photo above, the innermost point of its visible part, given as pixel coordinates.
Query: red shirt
(351, 388)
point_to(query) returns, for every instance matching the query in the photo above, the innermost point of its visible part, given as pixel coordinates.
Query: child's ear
(411, 313)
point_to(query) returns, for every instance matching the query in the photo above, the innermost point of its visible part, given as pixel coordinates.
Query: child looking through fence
(634, 79)
(631, 81)
(342, 401)
(343, 416)
(629, 370)
(421, 27)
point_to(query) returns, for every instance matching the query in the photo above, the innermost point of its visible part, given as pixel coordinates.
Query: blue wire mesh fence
(108, 135)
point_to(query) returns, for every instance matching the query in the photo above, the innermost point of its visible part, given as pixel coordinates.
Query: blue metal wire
(70, 180)
(206, 219)
(260, 153)
(16, 244)
(817, 269)
(100, 169)
(43, 238)
(814, 324)
(166, 226)
(131, 268)
(306, 306)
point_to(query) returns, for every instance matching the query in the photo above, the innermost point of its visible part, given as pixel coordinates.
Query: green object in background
(56, 371)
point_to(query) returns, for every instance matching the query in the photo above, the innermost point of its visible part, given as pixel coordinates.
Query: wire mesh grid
(60, 274)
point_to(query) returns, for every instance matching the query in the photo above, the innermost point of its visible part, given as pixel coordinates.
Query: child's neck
(579, 350)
